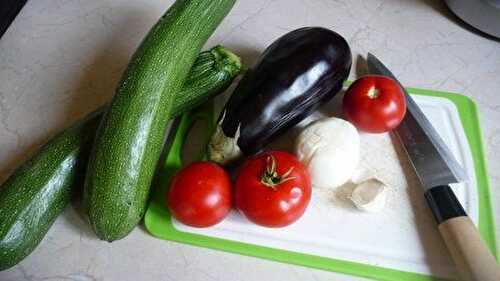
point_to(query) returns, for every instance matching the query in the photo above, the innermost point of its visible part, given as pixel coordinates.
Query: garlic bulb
(329, 148)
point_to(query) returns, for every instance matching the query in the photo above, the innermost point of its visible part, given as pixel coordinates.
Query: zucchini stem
(225, 60)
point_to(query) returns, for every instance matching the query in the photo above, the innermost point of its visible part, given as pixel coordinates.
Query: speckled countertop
(62, 58)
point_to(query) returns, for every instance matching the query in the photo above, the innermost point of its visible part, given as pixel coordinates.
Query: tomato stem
(271, 178)
(373, 92)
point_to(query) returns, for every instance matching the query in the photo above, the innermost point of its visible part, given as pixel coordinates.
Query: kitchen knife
(436, 168)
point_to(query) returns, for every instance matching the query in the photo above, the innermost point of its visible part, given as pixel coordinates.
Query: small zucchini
(37, 192)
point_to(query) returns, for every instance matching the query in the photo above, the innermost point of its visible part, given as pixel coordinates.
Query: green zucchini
(37, 192)
(129, 139)
(212, 72)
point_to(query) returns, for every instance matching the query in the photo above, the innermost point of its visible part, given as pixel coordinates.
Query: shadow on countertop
(82, 97)
(440, 7)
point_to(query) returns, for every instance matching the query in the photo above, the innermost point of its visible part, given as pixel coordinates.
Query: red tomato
(374, 104)
(273, 189)
(200, 194)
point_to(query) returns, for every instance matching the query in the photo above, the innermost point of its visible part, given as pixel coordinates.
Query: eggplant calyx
(223, 149)
(271, 178)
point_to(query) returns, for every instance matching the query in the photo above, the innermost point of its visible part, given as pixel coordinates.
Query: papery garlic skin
(370, 195)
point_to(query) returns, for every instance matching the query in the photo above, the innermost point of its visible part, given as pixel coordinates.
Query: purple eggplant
(300, 71)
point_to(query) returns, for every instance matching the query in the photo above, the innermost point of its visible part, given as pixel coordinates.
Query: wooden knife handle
(472, 258)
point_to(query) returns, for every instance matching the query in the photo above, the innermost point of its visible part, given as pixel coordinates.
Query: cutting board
(399, 243)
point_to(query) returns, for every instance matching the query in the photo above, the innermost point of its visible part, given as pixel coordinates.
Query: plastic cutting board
(399, 243)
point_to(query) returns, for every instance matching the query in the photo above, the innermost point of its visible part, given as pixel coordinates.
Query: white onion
(329, 148)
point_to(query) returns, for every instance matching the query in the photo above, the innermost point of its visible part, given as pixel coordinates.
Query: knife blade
(432, 160)
(436, 167)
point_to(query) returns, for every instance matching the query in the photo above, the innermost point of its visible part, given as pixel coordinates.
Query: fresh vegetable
(330, 149)
(375, 104)
(300, 71)
(39, 190)
(211, 74)
(272, 189)
(130, 137)
(26, 215)
(200, 194)
(370, 195)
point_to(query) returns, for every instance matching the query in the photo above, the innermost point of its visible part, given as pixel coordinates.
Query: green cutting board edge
(159, 224)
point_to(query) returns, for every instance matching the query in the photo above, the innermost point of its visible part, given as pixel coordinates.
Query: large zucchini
(129, 139)
(33, 197)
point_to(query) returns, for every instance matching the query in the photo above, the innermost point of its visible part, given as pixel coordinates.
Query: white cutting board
(403, 236)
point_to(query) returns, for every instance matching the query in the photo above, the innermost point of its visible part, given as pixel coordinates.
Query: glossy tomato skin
(374, 111)
(200, 194)
(267, 206)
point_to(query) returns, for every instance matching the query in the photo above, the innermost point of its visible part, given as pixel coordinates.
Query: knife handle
(472, 258)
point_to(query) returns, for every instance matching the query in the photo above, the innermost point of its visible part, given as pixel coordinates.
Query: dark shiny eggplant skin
(297, 73)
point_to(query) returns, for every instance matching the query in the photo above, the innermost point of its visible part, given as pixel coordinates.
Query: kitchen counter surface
(62, 58)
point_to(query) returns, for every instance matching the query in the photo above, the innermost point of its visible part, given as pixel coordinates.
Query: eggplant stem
(271, 178)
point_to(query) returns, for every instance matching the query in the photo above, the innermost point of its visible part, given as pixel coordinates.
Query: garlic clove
(370, 195)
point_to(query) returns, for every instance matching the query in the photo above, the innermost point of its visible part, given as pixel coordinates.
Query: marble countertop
(62, 58)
